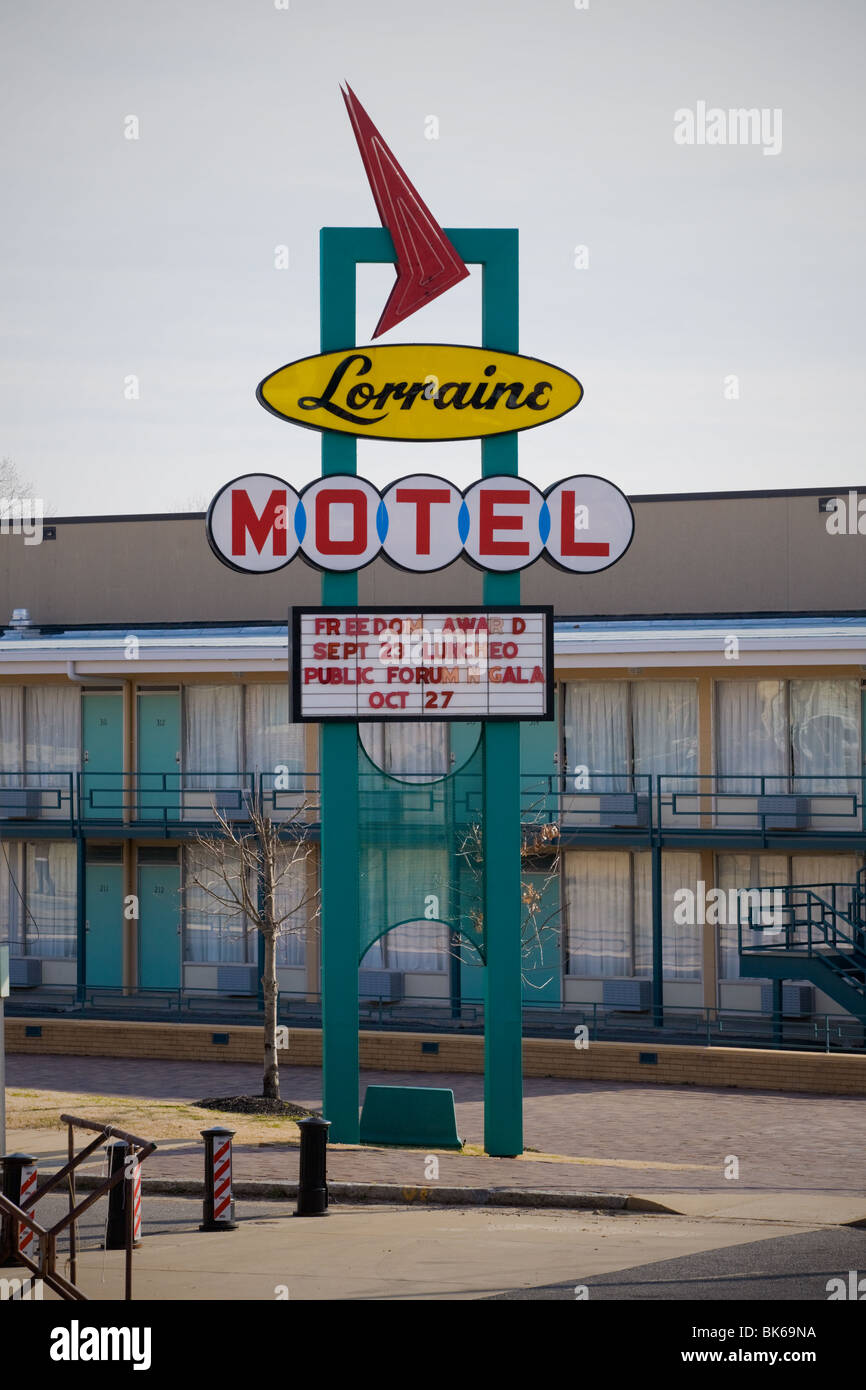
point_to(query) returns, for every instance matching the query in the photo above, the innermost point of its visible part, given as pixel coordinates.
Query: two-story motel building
(708, 734)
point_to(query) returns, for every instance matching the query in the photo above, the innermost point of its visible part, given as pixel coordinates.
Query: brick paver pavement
(631, 1133)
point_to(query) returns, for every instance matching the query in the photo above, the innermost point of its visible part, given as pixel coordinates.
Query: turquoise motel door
(102, 744)
(103, 913)
(159, 934)
(159, 755)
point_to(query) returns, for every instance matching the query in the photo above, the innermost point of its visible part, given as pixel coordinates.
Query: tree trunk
(271, 1079)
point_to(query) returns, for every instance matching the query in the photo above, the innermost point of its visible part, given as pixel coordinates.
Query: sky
(714, 316)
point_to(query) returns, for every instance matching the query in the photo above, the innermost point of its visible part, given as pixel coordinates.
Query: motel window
(608, 898)
(744, 871)
(214, 933)
(291, 892)
(40, 737)
(11, 734)
(48, 915)
(10, 903)
(232, 732)
(395, 885)
(804, 735)
(599, 897)
(271, 740)
(619, 728)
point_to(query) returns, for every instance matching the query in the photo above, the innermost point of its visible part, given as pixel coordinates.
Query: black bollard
(116, 1225)
(19, 1183)
(313, 1173)
(219, 1206)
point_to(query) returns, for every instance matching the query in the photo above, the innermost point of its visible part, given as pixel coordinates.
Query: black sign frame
(544, 610)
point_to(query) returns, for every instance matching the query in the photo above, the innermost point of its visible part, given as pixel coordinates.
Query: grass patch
(160, 1120)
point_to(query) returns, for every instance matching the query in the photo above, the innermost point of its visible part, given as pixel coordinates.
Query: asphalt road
(790, 1268)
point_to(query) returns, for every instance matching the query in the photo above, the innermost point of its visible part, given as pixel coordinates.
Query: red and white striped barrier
(27, 1242)
(222, 1181)
(219, 1208)
(136, 1204)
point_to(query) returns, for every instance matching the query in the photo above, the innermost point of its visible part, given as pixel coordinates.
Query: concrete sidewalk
(388, 1253)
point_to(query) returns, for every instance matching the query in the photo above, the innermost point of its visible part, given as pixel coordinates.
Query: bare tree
(253, 871)
(12, 485)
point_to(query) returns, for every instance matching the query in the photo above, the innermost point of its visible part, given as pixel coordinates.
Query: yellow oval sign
(419, 391)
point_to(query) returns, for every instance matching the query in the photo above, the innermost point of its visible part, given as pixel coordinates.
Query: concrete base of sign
(410, 1115)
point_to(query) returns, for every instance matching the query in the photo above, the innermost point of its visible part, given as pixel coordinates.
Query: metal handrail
(822, 917)
(46, 1269)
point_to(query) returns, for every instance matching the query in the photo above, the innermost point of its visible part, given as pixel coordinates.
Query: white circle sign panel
(423, 522)
(503, 523)
(341, 519)
(591, 524)
(251, 524)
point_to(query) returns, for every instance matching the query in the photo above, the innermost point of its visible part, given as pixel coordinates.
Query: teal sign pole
(503, 1001)
(341, 250)
(338, 759)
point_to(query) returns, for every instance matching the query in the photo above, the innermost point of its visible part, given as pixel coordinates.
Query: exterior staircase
(816, 932)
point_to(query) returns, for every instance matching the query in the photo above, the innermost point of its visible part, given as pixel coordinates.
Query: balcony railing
(698, 1026)
(812, 919)
(46, 798)
(759, 805)
(751, 809)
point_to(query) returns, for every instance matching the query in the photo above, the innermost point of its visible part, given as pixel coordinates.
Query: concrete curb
(391, 1193)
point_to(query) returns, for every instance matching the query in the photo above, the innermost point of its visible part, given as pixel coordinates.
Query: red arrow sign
(427, 263)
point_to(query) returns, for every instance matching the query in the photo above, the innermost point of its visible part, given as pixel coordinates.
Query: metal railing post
(116, 1225)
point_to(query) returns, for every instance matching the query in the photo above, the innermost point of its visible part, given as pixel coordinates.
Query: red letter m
(244, 520)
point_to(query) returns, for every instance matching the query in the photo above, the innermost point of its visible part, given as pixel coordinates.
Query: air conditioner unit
(20, 803)
(386, 985)
(797, 1000)
(784, 812)
(232, 804)
(236, 979)
(629, 995)
(24, 972)
(624, 810)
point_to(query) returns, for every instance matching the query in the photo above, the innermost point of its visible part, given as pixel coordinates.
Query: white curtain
(682, 943)
(825, 734)
(52, 725)
(417, 752)
(290, 894)
(597, 733)
(212, 737)
(598, 905)
(11, 734)
(213, 933)
(665, 715)
(50, 928)
(738, 872)
(752, 735)
(396, 885)
(10, 903)
(272, 741)
(832, 877)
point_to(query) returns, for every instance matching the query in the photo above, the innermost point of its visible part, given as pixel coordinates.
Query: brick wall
(747, 1068)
